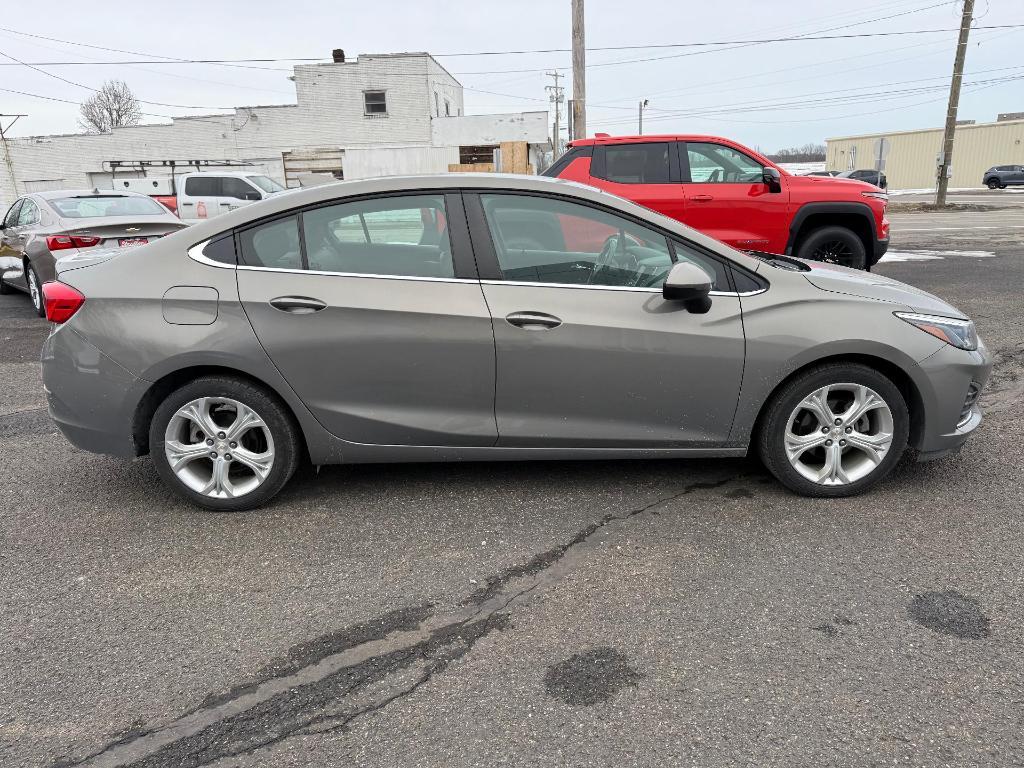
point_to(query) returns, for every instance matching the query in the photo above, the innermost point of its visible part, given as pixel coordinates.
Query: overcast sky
(766, 95)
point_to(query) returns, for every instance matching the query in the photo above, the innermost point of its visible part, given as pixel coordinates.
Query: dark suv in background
(1001, 176)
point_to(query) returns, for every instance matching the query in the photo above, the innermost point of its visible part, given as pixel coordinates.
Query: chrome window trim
(626, 288)
(196, 254)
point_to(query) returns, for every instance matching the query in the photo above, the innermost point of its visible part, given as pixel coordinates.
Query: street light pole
(640, 119)
(946, 160)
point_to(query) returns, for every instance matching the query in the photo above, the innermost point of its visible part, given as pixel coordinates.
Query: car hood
(867, 285)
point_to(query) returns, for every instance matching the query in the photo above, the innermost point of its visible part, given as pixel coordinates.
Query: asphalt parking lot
(628, 613)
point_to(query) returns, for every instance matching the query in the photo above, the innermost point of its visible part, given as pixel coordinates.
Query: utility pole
(640, 120)
(7, 150)
(946, 159)
(579, 73)
(556, 96)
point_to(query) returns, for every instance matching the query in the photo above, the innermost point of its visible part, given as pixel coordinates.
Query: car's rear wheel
(224, 443)
(35, 290)
(993, 184)
(836, 245)
(835, 430)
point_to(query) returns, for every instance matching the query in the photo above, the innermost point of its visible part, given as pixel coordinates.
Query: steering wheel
(604, 258)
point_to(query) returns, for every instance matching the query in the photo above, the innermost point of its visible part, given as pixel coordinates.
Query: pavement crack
(323, 685)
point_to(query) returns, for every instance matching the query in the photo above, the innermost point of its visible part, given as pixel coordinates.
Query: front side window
(635, 163)
(542, 240)
(402, 236)
(274, 244)
(374, 103)
(266, 183)
(89, 206)
(29, 213)
(718, 164)
(11, 220)
(238, 189)
(714, 268)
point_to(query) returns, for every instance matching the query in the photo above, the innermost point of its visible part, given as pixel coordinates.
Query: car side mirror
(773, 179)
(252, 196)
(688, 283)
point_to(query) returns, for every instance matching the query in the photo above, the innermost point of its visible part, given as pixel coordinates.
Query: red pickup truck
(736, 195)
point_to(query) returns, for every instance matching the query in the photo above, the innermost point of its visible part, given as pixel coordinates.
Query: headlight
(876, 195)
(960, 333)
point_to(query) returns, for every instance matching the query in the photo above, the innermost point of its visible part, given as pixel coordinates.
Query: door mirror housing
(773, 179)
(688, 283)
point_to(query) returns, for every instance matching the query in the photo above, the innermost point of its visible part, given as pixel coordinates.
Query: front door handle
(533, 321)
(702, 198)
(297, 305)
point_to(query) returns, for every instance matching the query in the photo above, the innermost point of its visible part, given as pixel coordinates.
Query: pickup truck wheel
(836, 245)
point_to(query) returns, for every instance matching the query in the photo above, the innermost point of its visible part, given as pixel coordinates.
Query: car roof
(649, 137)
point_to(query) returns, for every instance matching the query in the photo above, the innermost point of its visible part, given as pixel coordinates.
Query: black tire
(36, 296)
(836, 245)
(279, 421)
(774, 423)
(993, 184)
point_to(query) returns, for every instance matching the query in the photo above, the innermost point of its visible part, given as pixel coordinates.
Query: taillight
(63, 242)
(61, 301)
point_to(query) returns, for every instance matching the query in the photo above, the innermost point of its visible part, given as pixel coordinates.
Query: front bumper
(947, 379)
(91, 398)
(880, 247)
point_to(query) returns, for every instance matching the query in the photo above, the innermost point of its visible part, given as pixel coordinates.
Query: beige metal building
(911, 156)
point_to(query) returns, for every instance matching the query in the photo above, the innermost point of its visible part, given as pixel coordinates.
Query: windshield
(266, 183)
(106, 205)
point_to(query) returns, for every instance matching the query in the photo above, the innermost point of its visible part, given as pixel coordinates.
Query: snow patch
(9, 262)
(927, 255)
(798, 169)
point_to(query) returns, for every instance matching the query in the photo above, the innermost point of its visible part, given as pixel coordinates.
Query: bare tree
(112, 106)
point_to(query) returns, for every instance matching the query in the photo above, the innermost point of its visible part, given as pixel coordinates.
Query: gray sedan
(42, 227)
(491, 317)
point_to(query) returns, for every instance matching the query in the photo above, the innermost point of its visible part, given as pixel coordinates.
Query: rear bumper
(91, 398)
(948, 376)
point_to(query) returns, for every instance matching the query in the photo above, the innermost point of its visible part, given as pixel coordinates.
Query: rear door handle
(297, 305)
(533, 321)
(702, 198)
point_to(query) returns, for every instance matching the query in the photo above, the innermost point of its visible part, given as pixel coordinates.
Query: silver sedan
(491, 317)
(42, 227)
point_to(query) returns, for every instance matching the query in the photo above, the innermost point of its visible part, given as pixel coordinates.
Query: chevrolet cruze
(480, 317)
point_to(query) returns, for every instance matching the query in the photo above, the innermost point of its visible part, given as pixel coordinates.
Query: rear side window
(203, 186)
(634, 163)
(221, 250)
(402, 236)
(274, 245)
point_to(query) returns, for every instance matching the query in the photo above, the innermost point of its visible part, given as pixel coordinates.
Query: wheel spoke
(219, 485)
(198, 412)
(245, 419)
(798, 445)
(259, 463)
(864, 400)
(817, 403)
(875, 446)
(833, 472)
(179, 454)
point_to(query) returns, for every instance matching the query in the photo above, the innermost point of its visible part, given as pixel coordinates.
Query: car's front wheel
(835, 430)
(224, 443)
(836, 245)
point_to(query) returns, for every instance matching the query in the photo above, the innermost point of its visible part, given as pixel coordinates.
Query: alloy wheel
(839, 434)
(834, 252)
(219, 447)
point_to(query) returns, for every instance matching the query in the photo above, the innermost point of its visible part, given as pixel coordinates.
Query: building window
(447, 108)
(437, 105)
(374, 103)
(476, 154)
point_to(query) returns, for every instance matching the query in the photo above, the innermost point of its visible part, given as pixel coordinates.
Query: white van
(204, 195)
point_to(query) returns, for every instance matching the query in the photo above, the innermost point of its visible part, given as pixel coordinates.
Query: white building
(382, 114)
